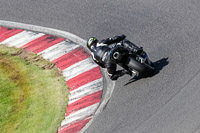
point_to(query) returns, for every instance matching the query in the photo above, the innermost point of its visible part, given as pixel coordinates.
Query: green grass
(33, 93)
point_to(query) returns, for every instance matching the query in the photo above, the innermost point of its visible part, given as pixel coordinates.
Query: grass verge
(33, 93)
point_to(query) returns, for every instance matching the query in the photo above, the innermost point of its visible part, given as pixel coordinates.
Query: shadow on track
(159, 65)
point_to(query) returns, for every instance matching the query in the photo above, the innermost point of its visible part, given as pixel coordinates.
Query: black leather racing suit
(100, 53)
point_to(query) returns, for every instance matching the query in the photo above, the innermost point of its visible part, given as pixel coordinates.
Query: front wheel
(142, 68)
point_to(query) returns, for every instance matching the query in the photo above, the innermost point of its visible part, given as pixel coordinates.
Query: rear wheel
(141, 68)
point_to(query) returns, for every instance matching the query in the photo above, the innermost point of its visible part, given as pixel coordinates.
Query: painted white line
(85, 90)
(21, 39)
(80, 115)
(78, 68)
(91, 85)
(58, 50)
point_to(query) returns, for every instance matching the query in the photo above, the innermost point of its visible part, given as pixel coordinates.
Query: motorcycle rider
(100, 51)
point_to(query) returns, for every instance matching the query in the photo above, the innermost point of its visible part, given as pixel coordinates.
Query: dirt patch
(32, 58)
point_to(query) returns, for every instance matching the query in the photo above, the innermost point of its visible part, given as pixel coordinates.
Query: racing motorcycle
(138, 63)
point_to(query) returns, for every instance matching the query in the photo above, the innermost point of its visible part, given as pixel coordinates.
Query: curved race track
(169, 30)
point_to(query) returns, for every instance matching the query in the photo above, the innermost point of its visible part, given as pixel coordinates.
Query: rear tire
(141, 68)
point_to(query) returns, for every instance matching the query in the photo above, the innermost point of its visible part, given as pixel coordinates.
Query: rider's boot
(125, 71)
(120, 73)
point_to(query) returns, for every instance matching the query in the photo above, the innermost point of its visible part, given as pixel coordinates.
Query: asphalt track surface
(169, 30)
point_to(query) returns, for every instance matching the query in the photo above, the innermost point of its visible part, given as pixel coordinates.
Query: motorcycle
(138, 63)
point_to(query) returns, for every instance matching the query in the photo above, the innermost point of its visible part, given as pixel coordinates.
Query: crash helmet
(91, 41)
